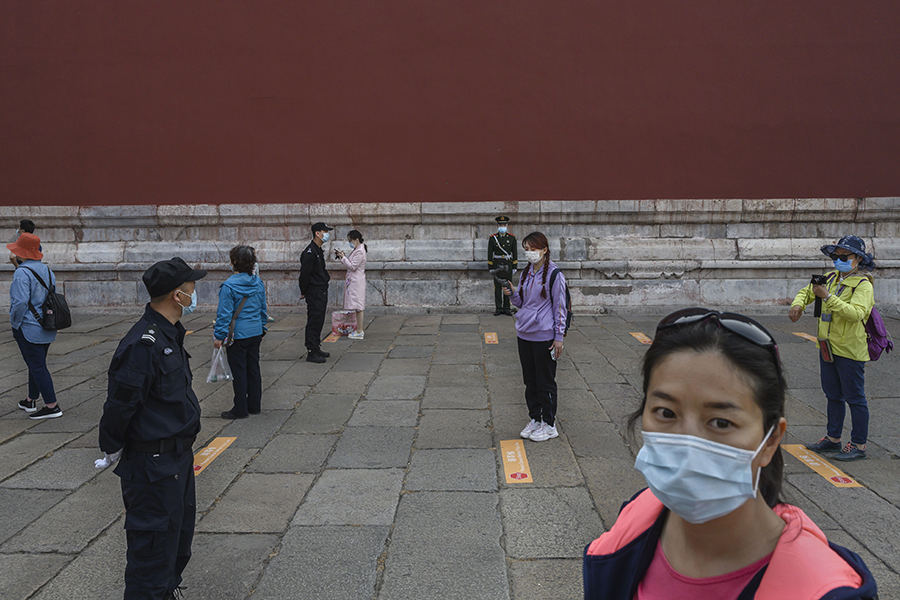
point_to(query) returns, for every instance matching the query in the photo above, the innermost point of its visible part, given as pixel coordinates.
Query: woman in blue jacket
(249, 329)
(26, 296)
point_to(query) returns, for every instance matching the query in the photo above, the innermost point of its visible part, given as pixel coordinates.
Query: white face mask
(326, 236)
(533, 256)
(186, 310)
(697, 479)
(502, 229)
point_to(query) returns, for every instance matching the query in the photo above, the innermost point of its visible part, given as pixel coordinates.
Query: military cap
(166, 275)
(502, 219)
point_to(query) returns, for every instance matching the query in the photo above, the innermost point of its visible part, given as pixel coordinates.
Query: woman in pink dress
(355, 285)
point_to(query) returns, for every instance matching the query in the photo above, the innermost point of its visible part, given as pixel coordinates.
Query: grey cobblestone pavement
(378, 475)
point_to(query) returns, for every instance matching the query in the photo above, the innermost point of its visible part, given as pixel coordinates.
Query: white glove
(108, 459)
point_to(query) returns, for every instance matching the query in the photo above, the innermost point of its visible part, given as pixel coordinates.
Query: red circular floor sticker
(839, 479)
(518, 475)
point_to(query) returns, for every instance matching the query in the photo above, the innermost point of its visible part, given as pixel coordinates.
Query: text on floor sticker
(209, 454)
(806, 336)
(332, 338)
(641, 337)
(515, 463)
(491, 338)
(815, 462)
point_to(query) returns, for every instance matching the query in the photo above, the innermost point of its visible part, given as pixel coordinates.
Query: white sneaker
(544, 433)
(357, 335)
(530, 428)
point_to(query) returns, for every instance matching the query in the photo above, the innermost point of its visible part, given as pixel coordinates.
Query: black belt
(162, 446)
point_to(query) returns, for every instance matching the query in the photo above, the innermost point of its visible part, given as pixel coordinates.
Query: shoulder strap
(234, 318)
(37, 316)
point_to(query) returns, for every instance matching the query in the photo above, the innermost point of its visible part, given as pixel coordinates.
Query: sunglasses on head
(835, 256)
(737, 324)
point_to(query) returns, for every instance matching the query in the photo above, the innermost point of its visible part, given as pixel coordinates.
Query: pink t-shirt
(662, 582)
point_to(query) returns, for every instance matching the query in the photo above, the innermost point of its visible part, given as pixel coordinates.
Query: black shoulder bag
(55, 314)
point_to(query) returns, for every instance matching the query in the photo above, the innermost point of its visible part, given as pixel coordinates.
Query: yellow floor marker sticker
(515, 463)
(641, 337)
(815, 462)
(806, 336)
(332, 338)
(491, 338)
(209, 454)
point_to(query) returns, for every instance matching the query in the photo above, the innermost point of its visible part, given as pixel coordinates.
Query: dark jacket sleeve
(129, 382)
(491, 251)
(515, 254)
(307, 262)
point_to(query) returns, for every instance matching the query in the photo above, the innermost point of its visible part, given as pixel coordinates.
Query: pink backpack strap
(803, 566)
(637, 517)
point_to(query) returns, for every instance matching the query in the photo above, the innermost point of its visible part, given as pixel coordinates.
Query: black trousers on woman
(539, 373)
(243, 358)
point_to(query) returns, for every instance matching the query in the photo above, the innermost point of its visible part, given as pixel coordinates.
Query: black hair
(353, 234)
(538, 241)
(757, 365)
(243, 258)
(26, 225)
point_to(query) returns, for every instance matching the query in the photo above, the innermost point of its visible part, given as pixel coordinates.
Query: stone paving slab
(227, 562)
(70, 525)
(256, 430)
(23, 574)
(385, 413)
(467, 563)
(455, 397)
(411, 352)
(343, 382)
(404, 366)
(321, 413)
(452, 470)
(567, 522)
(337, 563)
(372, 448)
(292, 453)
(553, 579)
(359, 361)
(29, 447)
(63, 470)
(396, 387)
(455, 375)
(257, 503)
(21, 507)
(440, 428)
(352, 497)
(219, 475)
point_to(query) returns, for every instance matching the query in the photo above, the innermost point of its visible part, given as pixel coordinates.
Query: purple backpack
(878, 336)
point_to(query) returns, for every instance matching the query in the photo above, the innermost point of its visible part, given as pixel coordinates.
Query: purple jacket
(540, 319)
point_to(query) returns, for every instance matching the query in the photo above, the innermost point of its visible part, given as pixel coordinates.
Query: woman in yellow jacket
(847, 299)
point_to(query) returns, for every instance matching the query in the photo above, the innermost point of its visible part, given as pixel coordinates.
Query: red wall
(213, 101)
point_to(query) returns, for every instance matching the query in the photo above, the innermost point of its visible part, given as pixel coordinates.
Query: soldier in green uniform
(502, 254)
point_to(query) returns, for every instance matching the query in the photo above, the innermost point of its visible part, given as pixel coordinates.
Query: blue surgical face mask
(697, 479)
(844, 266)
(186, 310)
(502, 229)
(326, 236)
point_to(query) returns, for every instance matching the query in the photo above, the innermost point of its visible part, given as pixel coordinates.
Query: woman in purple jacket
(540, 326)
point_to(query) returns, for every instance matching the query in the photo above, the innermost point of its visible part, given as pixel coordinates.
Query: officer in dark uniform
(502, 254)
(314, 280)
(151, 418)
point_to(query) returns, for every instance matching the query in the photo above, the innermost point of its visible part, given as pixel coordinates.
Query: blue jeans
(844, 381)
(40, 384)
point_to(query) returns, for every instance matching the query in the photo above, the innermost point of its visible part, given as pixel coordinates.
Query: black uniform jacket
(149, 396)
(312, 268)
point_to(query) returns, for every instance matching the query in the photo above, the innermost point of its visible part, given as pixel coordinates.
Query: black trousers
(243, 358)
(316, 303)
(160, 508)
(539, 373)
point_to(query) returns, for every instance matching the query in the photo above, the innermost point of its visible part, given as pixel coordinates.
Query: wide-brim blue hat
(852, 244)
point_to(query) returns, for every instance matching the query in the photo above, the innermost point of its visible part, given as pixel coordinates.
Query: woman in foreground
(712, 523)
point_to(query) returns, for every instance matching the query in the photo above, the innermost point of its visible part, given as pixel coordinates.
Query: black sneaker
(825, 445)
(322, 353)
(47, 413)
(314, 358)
(28, 406)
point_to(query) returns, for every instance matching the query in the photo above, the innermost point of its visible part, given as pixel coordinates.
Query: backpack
(55, 314)
(877, 334)
(553, 275)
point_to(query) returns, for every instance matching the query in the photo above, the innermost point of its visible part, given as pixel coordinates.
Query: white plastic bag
(219, 370)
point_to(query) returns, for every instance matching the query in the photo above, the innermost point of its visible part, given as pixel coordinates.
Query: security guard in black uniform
(151, 418)
(502, 254)
(314, 287)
